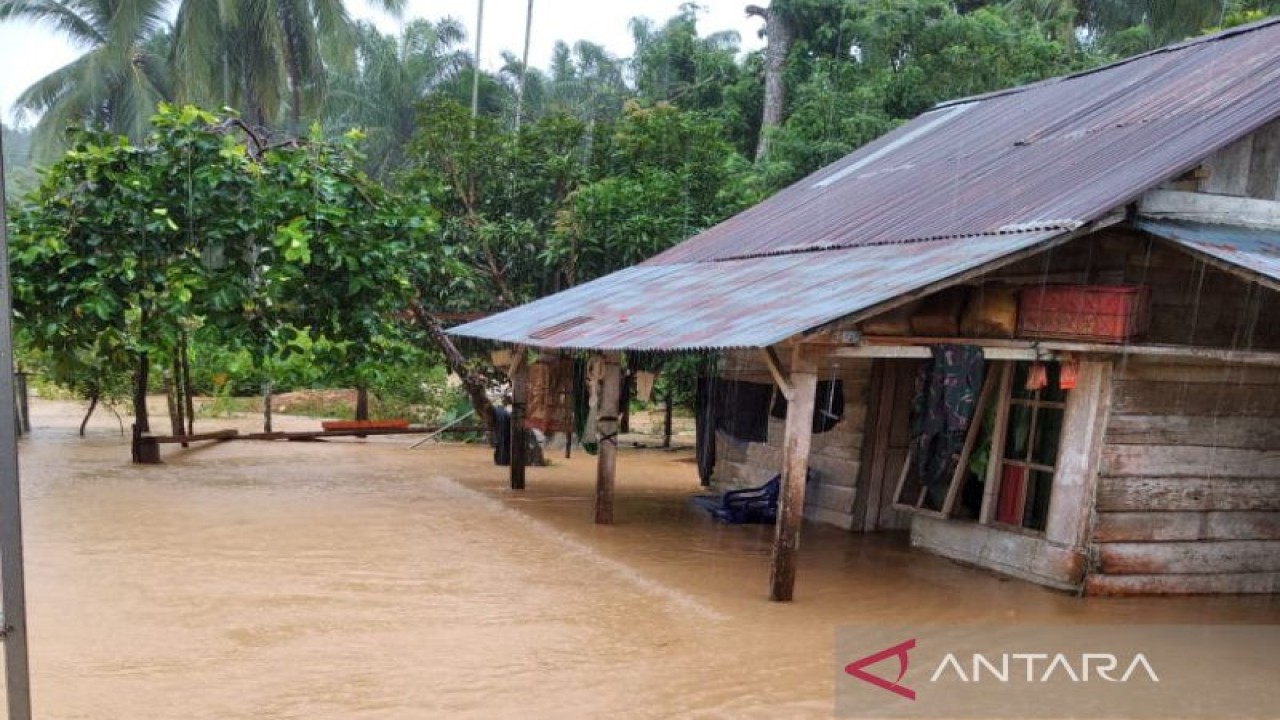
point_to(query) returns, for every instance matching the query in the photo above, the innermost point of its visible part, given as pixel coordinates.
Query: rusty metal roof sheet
(967, 182)
(1055, 154)
(1253, 250)
(752, 302)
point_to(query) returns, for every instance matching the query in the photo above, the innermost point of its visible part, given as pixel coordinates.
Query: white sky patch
(28, 53)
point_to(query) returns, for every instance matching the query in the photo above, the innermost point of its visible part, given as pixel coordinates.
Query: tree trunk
(266, 406)
(780, 35)
(93, 405)
(362, 402)
(472, 382)
(171, 398)
(184, 364)
(140, 380)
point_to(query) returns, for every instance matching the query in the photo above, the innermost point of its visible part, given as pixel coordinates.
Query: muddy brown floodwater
(362, 579)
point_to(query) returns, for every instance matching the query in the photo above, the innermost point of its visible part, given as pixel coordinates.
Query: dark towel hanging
(828, 405)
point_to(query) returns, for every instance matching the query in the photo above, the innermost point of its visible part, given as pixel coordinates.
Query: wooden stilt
(607, 425)
(519, 403)
(795, 467)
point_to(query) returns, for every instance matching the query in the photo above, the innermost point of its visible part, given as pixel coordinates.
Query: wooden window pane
(1044, 450)
(1018, 434)
(1036, 502)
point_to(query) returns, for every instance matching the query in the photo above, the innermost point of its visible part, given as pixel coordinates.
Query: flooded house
(1035, 331)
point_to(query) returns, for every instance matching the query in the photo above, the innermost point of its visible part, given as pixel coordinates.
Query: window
(1035, 405)
(1003, 473)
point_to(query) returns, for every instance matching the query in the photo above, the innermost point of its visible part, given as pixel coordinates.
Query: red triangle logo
(856, 669)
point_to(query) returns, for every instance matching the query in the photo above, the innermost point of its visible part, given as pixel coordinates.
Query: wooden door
(885, 443)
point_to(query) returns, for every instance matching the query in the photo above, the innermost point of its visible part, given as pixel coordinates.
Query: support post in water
(16, 674)
(795, 468)
(607, 429)
(519, 404)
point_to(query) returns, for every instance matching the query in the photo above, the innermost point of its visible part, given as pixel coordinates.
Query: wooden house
(1109, 242)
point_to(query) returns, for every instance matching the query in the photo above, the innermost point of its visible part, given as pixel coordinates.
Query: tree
(262, 56)
(889, 60)
(391, 75)
(662, 174)
(778, 30)
(115, 84)
(125, 249)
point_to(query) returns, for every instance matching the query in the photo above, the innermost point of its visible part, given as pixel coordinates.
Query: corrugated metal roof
(1256, 251)
(1054, 154)
(960, 186)
(752, 302)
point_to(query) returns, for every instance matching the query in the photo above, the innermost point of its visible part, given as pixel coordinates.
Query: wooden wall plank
(1167, 526)
(1239, 583)
(1189, 461)
(1241, 556)
(1139, 368)
(1187, 494)
(1198, 399)
(1024, 556)
(1245, 433)
(1264, 163)
(1229, 168)
(1076, 475)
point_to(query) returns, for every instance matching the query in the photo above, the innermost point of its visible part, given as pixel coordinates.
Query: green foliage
(497, 194)
(662, 174)
(887, 61)
(287, 253)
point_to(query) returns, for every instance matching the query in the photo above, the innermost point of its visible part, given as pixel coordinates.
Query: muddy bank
(361, 579)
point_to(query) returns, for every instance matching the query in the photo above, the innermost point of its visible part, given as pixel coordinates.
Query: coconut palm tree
(379, 93)
(263, 57)
(115, 83)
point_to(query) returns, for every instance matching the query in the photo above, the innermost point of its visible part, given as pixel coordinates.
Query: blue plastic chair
(748, 505)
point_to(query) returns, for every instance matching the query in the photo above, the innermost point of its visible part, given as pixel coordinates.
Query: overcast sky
(28, 53)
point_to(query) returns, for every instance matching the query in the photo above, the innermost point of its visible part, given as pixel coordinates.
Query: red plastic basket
(1101, 313)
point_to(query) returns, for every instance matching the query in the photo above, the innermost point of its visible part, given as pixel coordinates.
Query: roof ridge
(1028, 228)
(1175, 47)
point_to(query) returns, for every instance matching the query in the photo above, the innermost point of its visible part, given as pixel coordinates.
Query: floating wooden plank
(200, 437)
(1215, 556)
(1186, 526)
(1200, 584)
(321, 434)
(1181, 494)
(1244, 433)
(1189, 461)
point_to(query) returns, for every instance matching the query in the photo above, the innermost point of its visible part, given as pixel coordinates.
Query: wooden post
(795, 468)
(607, 429)
(519, 403)
(667, 406)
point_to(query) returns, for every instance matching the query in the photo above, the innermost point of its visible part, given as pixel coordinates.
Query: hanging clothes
(704, 427)
(500, 438)
(828, 405)
(947, 390)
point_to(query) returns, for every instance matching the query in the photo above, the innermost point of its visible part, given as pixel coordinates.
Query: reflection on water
(361, 579)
